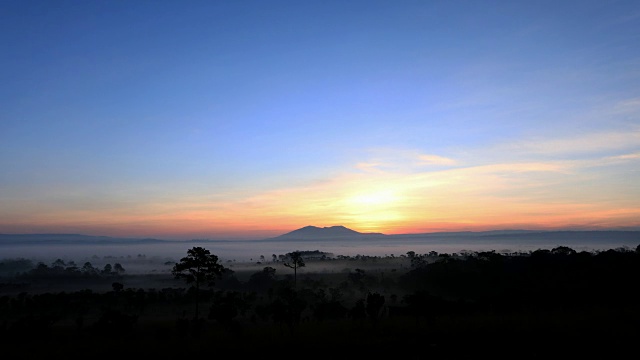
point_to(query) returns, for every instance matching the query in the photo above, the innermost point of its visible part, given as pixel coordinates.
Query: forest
(534, 304)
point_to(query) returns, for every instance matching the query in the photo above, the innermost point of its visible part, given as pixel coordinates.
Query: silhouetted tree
(421, 305)
(114, 323)
(357, 277)
(58, 264)
(563, 250)
(88, 269)
(375, 302)
(117, 267)
(263, 279)
(15, 266)
(117, 287)
(227, 306)
(198, 267)
(295, 263)
(288, 306)
(324, 307)
(107, 269)
(71, 269)
(358, 312)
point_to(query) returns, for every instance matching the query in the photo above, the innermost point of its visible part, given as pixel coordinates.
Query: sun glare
(378, 198)
(373, 210)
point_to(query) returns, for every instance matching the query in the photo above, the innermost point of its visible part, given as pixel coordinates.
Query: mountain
(341, 233)
(323, 233)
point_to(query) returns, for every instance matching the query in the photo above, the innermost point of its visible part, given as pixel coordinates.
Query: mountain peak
(315, 232)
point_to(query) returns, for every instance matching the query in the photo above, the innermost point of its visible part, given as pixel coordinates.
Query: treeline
(556, 278)
(532, 303)
(24, 269)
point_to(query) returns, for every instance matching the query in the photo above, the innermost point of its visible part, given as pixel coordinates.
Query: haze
(245, 120)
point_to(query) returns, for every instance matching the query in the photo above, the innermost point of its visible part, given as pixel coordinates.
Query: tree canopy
(199, 267)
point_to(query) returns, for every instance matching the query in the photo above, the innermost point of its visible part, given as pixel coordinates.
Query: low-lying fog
(146, 258)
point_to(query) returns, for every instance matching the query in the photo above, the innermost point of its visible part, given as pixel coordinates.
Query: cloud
(592, 143)
(606, 160)
(624, 157)
(394, 190)
(368, 166)
(436, 160)
(627, 106)
(397, 160)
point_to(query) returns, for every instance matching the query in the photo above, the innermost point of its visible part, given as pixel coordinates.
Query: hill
(322, 233)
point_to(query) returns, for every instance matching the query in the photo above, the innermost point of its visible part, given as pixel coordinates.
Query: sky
(249, 119)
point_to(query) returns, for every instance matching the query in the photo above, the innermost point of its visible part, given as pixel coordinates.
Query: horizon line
(632, 229)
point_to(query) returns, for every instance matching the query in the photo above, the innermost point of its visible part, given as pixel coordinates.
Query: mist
(157, 257)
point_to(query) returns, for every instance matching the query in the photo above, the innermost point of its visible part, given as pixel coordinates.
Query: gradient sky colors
(248, 119)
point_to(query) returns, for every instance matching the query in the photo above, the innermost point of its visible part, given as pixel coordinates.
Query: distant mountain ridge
(328, 232)
(341, 233)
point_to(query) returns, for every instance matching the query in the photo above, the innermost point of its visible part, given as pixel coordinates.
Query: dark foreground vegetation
(543, 303)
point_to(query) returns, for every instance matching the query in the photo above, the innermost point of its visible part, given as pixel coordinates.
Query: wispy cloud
(625, 157)
(591, 143)
(627, 106)
(368, 166)
(402, 160)
(436, 160)
(391, 190)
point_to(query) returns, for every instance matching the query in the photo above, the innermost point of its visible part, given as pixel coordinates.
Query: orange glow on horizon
(473, 198)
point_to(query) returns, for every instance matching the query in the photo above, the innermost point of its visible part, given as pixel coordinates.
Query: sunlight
(373, 210)
(377, 198)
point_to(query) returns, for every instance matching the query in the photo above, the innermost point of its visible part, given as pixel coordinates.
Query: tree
(58, 264)
(375, 302)
(263, 279)
(117, 267)
(117, 287)
(563, 250)
(107, 269)
(295, 263)
(88, 269)
(199, 267)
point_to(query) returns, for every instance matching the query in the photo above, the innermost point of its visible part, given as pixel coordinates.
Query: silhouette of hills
(341, 233)
(327, 232)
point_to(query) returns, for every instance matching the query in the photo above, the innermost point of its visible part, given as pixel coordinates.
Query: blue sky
(244, 119)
